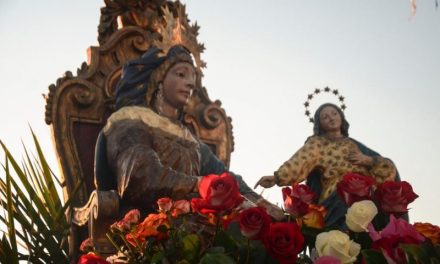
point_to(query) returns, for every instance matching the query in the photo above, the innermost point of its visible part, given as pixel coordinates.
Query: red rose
(218, 193)
(355, 187)
(284, 241)
(394, 197)
(397, 232)
(254, 222)
(297, 199)
(91, 259)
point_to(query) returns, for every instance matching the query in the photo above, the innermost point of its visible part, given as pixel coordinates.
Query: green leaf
(47, 173)
(415, 253)
(191, 247)
(6, 252)
(216, 258)
(158, 257)
(36, 218)
(10, 224)
(216, 250)
(373, 257)
(225, 240)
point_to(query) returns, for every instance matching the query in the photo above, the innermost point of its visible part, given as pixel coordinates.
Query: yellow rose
(359, 215)
(337, 244)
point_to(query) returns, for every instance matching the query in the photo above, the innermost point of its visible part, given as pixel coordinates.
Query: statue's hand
(358, 158)
(266, 182)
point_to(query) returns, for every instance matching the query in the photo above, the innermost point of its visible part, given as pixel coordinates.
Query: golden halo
(323, 90)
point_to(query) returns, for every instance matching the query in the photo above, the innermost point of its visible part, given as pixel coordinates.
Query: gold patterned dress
(330, 158)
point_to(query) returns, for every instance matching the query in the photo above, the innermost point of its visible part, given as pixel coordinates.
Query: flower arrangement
(221, 227)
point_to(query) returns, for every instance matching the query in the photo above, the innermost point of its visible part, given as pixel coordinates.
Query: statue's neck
(334, 134)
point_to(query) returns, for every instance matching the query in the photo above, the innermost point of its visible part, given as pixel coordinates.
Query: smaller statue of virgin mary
(326, 156)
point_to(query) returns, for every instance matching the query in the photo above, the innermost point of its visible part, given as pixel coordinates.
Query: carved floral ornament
(169, 19)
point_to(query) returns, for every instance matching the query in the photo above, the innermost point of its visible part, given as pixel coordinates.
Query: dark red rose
(284, 241)
(218, 193)
(297, 199)
(355, 187)
(254, 222)
(394, 197)
(91, 259)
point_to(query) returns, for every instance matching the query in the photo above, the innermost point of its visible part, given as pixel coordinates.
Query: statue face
(330, 119)
(179, 84)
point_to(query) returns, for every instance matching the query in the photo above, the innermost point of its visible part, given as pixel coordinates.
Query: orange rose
(148, 228)
(315, 217)
(430, 231)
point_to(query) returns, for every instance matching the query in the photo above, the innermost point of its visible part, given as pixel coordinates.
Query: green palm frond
(32, 211)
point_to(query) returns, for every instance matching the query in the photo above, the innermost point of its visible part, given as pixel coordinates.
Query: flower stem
(248, 251)
(217, 228)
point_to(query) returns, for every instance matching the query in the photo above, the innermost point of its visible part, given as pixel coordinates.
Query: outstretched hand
(266, 182)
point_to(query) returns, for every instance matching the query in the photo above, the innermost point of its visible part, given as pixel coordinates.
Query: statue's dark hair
(317, 131)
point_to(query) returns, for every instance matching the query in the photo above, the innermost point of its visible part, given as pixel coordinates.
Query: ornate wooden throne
(78, 106)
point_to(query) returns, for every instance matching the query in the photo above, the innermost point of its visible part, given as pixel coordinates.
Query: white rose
(359, 215)
(337, 244)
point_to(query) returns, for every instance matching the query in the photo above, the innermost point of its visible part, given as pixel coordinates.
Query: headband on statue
(320, 91)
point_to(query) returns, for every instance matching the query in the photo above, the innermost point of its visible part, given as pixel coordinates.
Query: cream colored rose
(359, 215)
(337, 244)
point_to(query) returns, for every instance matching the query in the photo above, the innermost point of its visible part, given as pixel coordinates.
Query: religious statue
(144, 151)
(326, 157)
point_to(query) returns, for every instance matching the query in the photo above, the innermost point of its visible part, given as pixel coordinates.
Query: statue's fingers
(258, 183)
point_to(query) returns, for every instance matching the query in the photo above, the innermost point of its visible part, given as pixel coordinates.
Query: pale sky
(263, 57)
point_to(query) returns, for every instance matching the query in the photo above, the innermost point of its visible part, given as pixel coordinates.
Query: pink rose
(181, 207)
(86, 245)
(297, 199)
(165, 204)
(130, 218)
(398, 231)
